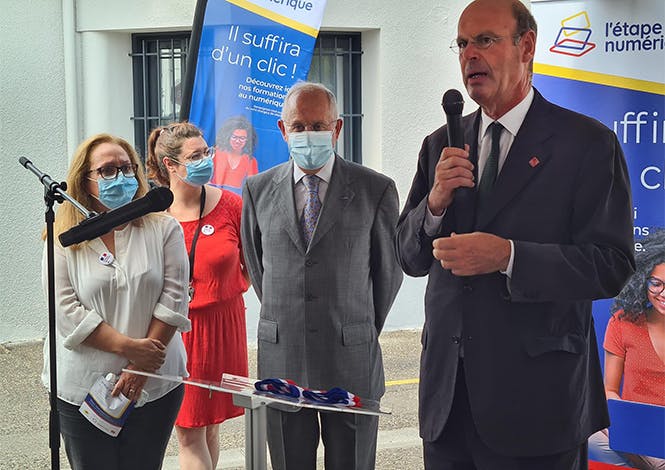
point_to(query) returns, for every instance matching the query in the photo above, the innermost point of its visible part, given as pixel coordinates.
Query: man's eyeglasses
(655, 285)
(197, 156)
(109, 172)
(317, 126)
(482, 41)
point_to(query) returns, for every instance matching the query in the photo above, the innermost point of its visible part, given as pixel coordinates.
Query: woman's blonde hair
(67, 215)
(166, 141)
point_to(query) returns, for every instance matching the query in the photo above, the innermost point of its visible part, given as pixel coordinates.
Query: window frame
(345, 48)
(343, 77)
(148, 109)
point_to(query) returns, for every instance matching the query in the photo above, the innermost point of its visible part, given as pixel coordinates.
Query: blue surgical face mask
(199, 172)
(310, 150)
(117, 192)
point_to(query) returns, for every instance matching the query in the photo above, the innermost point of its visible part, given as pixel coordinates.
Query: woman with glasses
(121, 302)
(179, 158)
(635, 347)
(236, 141)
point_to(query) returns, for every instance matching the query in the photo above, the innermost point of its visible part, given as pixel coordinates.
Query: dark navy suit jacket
(530, 356)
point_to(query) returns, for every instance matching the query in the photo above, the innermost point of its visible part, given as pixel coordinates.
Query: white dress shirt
(300, 191)
(511, 122)
(147, 277)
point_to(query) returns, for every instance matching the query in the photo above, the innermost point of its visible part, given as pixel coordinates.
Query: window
(159, 62)
(159, 71)
(336, 64)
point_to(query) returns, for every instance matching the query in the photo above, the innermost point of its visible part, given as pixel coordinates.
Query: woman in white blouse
(121, 302)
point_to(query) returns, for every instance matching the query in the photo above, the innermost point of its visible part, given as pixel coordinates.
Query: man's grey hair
(308, 87)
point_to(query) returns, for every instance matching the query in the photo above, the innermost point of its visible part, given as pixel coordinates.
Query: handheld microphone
(453, 103)
(156, 200)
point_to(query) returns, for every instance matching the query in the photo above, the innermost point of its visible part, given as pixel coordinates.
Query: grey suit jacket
(323, 307)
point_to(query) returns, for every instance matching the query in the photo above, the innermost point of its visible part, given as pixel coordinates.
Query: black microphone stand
(53, 192)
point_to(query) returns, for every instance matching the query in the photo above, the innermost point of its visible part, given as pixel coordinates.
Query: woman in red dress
(178, 157)
(234, 162)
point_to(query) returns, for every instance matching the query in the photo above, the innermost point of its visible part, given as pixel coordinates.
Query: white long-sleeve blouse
(147, 277)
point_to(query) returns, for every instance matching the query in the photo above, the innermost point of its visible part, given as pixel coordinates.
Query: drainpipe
(71, 75)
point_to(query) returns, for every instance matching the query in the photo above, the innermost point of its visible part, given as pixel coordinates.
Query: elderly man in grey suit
(318, 241)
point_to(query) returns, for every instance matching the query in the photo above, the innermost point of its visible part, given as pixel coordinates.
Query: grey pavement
(24, 411)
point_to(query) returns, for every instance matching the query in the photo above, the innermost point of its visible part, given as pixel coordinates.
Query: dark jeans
(140, 445)
(459, 446)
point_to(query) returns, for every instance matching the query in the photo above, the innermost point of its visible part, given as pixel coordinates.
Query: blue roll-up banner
(249, 54)
(606, 59)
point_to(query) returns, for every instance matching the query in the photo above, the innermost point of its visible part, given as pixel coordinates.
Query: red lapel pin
(534, 162)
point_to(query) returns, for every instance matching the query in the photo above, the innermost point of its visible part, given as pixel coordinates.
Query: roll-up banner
(606, 59)
(245, 55)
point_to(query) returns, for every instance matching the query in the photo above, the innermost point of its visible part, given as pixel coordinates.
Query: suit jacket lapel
(527, 157)
(338, 196)
(285, 203)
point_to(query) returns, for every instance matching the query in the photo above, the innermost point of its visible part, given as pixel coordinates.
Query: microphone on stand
(156, 200)
(453, 103)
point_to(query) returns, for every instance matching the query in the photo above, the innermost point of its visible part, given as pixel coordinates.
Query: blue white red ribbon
(334, 396)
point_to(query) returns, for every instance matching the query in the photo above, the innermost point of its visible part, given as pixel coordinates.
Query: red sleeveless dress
(217, 342)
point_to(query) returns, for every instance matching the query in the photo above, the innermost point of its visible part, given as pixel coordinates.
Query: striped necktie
(310, 213)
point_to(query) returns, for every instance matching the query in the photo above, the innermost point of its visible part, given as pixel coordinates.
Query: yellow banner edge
(600, 78)
(271, 15)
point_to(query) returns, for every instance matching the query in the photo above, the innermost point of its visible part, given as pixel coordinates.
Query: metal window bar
(149, 52)
(336, 63)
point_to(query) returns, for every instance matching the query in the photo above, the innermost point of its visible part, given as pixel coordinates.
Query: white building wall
(66, 73)
(32, 125)
(406, 67)
(106, 85)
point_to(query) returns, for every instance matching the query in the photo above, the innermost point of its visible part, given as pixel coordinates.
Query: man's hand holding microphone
(470, 253)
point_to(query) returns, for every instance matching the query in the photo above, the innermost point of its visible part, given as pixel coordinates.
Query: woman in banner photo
(121, 302)
(178, 157)
(236, 141)
(635, 348)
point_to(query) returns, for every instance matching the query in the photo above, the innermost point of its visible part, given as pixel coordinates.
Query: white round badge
(106, 258)
(207, 229)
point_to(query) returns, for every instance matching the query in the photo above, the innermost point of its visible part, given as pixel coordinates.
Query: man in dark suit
(317, 235)
(518, 232)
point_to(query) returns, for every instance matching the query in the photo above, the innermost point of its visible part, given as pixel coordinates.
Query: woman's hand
(146, 354)
(130, 384)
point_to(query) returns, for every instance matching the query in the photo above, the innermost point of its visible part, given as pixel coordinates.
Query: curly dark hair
(633, 298)
(230, 125)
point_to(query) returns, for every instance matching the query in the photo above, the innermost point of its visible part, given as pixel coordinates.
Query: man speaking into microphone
(519, 231)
